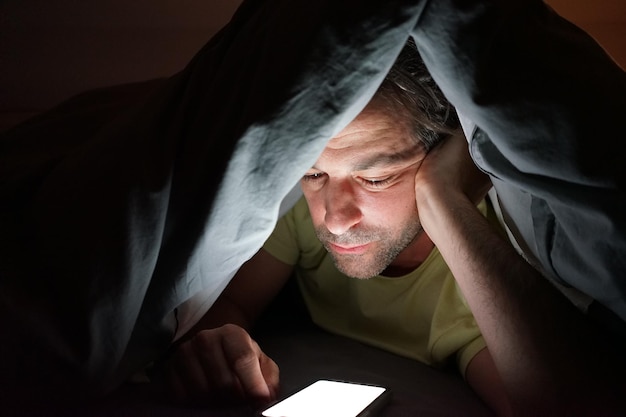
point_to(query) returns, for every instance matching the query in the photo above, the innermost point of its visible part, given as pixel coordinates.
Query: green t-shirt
(421, 315)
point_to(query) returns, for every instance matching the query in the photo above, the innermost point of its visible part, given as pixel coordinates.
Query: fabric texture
(108, 228)
(421, 315)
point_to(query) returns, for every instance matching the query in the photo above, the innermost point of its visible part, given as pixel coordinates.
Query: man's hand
(449, 168)
(447, 175)
(221, 364)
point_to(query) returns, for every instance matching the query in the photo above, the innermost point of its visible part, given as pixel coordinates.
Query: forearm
(248, 293)
(546, 352)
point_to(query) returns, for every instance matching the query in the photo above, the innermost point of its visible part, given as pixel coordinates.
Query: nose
(342, 208)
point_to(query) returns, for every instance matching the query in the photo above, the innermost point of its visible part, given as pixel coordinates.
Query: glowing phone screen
(328, 399)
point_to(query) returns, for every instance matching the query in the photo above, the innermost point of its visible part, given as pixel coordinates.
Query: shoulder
(293, 239)
(296, 222)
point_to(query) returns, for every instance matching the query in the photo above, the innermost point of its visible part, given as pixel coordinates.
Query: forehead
(375, 134)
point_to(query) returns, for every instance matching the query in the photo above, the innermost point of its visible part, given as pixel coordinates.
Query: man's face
(361, 193)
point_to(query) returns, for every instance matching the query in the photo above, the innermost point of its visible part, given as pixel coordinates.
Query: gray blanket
(112, 216)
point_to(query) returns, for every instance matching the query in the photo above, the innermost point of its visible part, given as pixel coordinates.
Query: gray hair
(409, 88)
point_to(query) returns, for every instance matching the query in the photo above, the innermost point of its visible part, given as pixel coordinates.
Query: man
(364, 265)
(105, 234)
(552, 358)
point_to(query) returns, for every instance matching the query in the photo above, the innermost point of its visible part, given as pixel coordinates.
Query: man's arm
(247, 295)
(217, 359)
(551, 360)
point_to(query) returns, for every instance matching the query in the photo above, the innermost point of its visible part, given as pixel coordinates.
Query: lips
(348, 249)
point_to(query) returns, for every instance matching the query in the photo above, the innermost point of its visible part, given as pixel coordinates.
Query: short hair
(409, 88)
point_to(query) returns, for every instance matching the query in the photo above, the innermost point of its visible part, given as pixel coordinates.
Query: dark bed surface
(305, 353)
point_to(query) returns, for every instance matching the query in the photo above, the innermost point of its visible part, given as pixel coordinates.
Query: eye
(376, 182)
(315, 176)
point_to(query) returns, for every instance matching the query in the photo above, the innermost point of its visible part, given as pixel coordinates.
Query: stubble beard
(371, 263)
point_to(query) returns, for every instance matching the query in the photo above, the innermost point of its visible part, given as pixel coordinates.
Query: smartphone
(329, 398)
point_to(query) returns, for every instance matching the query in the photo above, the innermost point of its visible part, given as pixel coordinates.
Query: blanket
(110, 219)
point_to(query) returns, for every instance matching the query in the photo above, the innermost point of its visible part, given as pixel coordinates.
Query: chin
(357, 276)
(356, 269)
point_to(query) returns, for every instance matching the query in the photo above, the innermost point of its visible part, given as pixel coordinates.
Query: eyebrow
(386, 159)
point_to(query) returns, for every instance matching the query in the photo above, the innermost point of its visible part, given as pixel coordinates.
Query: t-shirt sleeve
(283, 242)
(466, 354)
(454, 331)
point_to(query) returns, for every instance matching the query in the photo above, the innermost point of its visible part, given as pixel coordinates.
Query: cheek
(389, 209)
(398, 200)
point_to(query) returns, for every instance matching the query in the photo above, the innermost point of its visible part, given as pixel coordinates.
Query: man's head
(360, 191)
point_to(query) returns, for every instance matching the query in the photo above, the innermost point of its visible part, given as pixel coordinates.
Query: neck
(411, 257)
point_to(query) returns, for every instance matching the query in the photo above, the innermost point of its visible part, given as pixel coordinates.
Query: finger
(271, 374)
(222, 381)
(244, 354)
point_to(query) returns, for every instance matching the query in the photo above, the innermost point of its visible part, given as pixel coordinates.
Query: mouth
(348, 249)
